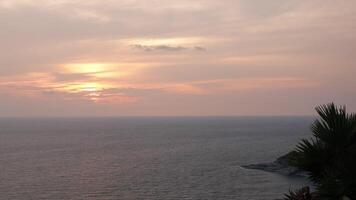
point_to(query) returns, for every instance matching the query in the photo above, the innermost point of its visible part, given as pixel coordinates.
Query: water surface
(146, 158)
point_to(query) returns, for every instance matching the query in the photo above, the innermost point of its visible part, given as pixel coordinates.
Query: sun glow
(103, 70)
(86, 87)
(88, 68)
(96, 81)
(90, 87)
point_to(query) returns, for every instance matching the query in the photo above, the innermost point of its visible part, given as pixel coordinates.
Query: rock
(280, 166)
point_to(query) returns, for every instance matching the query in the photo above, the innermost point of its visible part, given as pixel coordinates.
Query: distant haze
(169, 57)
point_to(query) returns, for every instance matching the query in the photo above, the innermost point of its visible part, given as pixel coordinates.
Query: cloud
(69, 77)
(166, 48)
(159, 48)
(164, 54)
(257, 9)
(199, 48)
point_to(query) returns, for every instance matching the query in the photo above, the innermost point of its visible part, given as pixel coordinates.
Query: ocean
(139, 158)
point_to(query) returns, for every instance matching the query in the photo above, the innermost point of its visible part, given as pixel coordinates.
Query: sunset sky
(175, 57)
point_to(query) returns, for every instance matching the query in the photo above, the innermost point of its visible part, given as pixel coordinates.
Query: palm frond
(330, 156)
(301, 194)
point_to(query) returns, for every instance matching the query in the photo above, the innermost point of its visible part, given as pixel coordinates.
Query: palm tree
(302, 194)
(330, 156)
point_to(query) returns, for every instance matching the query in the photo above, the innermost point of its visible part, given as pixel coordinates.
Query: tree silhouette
(329, 156)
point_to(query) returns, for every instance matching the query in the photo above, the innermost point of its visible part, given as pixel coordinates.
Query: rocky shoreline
(281, 166)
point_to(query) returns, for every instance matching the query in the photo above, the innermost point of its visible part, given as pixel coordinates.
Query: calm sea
(146, 158)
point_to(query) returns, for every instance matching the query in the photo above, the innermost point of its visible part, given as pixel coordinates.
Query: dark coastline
(281, 166)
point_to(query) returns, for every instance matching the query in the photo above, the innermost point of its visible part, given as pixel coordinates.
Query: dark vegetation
(329, 157)
(302, 194)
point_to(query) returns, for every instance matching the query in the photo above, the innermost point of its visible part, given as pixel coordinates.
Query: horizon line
(154, 116)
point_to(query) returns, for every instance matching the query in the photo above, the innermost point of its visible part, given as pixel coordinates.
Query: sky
(175, 58)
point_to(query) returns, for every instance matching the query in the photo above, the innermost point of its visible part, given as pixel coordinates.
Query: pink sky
(165, 57)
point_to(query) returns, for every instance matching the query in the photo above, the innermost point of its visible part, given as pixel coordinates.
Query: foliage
(330, 156)
(302, 194)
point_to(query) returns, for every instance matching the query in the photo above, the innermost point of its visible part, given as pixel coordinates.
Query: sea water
(139, 158)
